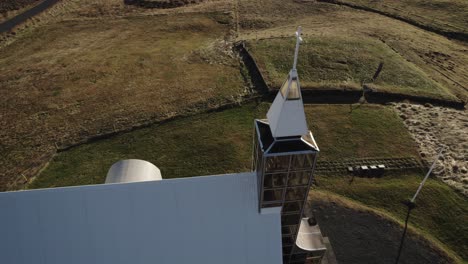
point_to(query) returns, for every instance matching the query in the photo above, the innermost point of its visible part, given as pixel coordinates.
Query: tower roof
(271, 145)
(286, 115)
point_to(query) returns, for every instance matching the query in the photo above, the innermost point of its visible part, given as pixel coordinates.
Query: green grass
(220, 142)
(201, 145)
(440, 211)
(367, 131)
(338, 62)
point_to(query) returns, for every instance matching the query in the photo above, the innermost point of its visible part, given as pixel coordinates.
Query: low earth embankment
(220, 142)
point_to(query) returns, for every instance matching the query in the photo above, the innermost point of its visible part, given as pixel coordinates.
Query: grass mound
(343, 63)
(440, 211)
(371, 234)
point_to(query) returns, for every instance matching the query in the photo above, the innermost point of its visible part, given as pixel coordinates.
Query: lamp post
(411, 204)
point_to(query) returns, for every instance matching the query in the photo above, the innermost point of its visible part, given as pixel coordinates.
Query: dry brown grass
(78, 9)
(66, 10)
(442, 15)
(69, 81)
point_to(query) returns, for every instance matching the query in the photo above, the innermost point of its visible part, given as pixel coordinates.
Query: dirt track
(434, 128)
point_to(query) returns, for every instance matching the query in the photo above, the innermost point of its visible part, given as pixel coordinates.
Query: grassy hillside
(440, 58)
(343, 63)
(69, 81)
(443, 15)
(440, 211)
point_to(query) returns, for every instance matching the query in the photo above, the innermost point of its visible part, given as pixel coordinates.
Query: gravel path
(434, 128)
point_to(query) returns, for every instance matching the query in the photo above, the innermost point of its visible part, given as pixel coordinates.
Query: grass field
(91, 67)
(440, 211)
(343, 63)
(200, 145)
(441, 59)
(445, 15)
(220, 142)
(68, 81)
(110, 9)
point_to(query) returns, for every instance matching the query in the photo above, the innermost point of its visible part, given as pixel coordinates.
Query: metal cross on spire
(298, 43)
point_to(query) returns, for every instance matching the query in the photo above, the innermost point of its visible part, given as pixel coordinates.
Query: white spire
(286, 115)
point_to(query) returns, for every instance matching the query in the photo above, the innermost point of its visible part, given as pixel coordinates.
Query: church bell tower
(285, 154)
